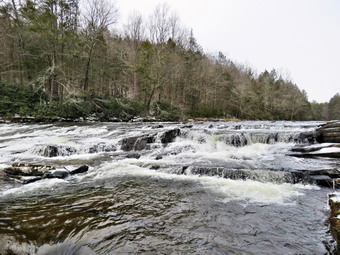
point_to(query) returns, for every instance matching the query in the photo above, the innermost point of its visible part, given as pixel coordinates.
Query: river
(217, 188)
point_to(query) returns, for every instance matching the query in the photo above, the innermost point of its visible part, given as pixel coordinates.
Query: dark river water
(163, 198)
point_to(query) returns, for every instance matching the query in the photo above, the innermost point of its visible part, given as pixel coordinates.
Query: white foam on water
(220, 151)
(327, 150)
(225, 189)
(46, 185)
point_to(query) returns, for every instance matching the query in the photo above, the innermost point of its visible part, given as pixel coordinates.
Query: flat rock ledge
(324, 142)
(329, 132)
(28, 173)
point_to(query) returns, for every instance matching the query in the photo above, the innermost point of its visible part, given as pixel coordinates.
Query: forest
(71, 59)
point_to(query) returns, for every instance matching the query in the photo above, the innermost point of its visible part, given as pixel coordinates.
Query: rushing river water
(218, 188)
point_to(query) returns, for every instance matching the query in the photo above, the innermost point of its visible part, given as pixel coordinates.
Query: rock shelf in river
(324, 142)
(329, 133)
(27, 173)
(143, 142)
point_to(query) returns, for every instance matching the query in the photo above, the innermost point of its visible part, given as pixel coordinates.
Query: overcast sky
(297, 37)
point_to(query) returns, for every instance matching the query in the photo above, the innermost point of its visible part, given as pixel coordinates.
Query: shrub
(19, 99)
(165, 111)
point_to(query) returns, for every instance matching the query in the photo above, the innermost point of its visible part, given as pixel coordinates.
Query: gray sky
(300, 38)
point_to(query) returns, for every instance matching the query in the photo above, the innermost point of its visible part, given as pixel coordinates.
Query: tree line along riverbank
(60, 60)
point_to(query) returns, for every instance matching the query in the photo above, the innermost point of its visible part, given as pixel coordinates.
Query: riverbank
(94, 118)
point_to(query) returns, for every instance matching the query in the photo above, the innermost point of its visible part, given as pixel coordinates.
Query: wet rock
(151, 119)
(101, 147)
(28, 173)
(20, 169)
(304, 149)
(79, 170)
(114, 119)
(334, 219)
(54, 151)
(30, 179)
(137, 119)
(127, 144)
(329, 133)
(59, 173)
(133, 155)
(155, 167)
(315, 155)
(187, 126)
(92, 118)
(157, 126)
(307, 137)
(170, 135)
(323, 177)
(137, 143)
(322, 180)
(313, 151)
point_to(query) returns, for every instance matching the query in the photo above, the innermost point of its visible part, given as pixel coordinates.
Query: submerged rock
(133, 155)
(65, 249)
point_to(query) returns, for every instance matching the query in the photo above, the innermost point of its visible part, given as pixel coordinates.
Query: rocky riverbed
(201, 187)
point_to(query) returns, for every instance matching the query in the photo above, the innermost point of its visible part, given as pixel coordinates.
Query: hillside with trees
(58, 59)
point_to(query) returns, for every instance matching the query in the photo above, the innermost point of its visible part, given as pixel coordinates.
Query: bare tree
(98, 16)
(135, 29)
(159, 24)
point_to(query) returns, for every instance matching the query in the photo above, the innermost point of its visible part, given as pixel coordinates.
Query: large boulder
(79, 170)
(307, 137)
(170, 135)
(137, 143)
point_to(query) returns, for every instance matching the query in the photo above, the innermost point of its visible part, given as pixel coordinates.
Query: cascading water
(202, 188)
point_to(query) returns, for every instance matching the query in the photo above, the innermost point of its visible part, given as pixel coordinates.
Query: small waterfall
(260, 175)
(54, 151)
(240, 139)
(101, 147)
